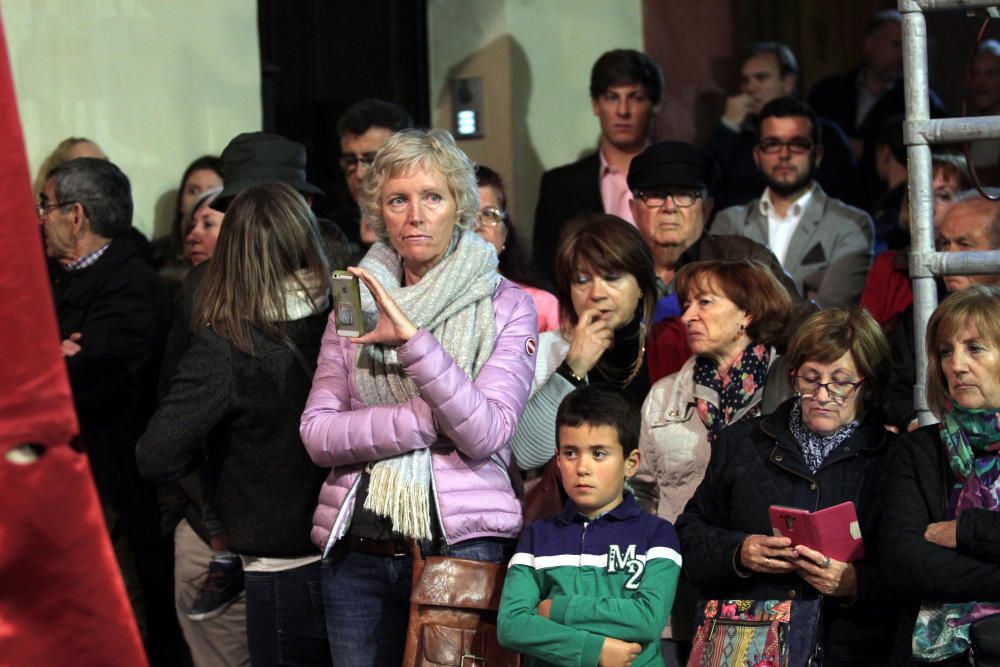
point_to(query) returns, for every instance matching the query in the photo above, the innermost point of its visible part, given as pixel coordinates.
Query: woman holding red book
(821, 448)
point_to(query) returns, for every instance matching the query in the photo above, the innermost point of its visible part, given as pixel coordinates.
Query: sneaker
(221, 587)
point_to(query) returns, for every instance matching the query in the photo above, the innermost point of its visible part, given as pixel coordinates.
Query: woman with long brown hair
(240, 389)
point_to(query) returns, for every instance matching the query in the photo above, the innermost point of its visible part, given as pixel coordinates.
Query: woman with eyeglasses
(823, 447)
(494, 224)
(941, 495)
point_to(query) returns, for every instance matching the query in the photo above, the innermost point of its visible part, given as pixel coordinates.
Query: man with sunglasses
(362, 129)
(824, 244)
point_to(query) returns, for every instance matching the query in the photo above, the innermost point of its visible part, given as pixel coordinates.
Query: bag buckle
(473, 660)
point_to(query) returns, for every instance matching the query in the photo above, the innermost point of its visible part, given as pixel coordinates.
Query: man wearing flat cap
(671, 184)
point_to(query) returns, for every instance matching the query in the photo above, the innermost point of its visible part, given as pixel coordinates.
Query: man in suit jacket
(625, 89)
(824, 244)
(769, 70)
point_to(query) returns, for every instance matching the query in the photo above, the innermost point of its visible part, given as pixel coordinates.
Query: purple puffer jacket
(468, 425)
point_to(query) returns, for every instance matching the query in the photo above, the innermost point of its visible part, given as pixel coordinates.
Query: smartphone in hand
(347, 305)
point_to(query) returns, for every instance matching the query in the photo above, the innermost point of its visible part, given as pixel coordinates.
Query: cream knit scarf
(454, 301)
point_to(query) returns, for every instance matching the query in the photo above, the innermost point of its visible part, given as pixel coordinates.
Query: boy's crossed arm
(638, 618)
(523, 628)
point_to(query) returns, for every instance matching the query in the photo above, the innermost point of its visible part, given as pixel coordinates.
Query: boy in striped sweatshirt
(593, 585)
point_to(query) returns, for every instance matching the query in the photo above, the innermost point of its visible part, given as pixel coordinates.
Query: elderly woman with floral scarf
(941, 529)
(734, 312)
(414, 417)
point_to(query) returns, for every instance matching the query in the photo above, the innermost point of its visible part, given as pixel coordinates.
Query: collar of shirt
(87, 260)
(794, 211)
(628, 507)
(615, 193)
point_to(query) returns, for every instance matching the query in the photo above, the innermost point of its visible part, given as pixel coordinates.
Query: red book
(833, 531)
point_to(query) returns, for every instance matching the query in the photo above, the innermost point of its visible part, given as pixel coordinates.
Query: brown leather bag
(453, 614)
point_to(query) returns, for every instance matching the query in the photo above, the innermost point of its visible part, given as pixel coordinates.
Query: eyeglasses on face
(41, 208)
(681, 198)
(490, 216)
(808, 386)
(794, 146)
(350, 161)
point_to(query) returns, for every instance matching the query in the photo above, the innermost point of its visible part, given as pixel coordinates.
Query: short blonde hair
(430, 150)
(827, 335)
(979, 305)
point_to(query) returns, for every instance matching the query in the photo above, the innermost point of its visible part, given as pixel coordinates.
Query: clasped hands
(776, 555)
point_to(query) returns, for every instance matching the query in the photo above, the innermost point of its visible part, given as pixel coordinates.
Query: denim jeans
(285, 620)
(367, 600)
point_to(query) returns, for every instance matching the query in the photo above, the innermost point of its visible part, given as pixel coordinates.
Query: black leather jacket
(759, 463)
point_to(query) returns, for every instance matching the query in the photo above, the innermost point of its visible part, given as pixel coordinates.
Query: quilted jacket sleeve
(477, 417)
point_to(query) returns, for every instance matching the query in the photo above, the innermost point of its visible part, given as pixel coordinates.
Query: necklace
(622, 377)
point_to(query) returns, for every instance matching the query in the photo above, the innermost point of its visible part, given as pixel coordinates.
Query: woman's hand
(393, 327)
(767, 554)
(592, 337)
(943, 533)
(828, 576)
(616, 653)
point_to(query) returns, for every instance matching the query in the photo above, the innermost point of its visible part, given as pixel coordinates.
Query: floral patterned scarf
(733, 392)
(971, 439)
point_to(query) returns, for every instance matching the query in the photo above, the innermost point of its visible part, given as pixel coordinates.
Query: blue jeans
(285, 620)
(367, 600)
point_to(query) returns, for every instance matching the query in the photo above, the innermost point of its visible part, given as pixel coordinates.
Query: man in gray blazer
(824, 244)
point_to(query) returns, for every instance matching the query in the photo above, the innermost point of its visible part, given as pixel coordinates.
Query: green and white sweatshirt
(613, 576)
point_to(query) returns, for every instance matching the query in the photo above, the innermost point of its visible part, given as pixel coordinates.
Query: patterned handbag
(756, 633)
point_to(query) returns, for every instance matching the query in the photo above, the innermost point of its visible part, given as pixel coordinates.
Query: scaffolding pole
(919, 132)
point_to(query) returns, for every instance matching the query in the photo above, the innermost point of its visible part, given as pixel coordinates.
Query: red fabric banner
(62, 600)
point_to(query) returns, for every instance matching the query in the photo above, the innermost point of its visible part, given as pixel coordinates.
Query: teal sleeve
(521, 629)
(638, 618)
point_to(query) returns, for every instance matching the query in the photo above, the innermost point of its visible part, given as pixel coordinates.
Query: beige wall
(535, 58)
(154, 83)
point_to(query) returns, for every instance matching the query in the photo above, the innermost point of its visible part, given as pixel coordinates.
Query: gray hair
(430, 150)
(972, 196)
(101, 189)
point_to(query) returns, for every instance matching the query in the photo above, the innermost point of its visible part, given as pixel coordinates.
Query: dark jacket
(836, 98)
(915, 491)
(899, 405)
(121, 309)
(757, 464)
(742, 180)
(564, 192)
(248, 408)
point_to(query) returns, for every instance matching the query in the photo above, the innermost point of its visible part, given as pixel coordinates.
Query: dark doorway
(320, 56)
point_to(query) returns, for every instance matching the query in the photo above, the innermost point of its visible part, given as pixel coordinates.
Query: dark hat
(672, 163)
(257, 157)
